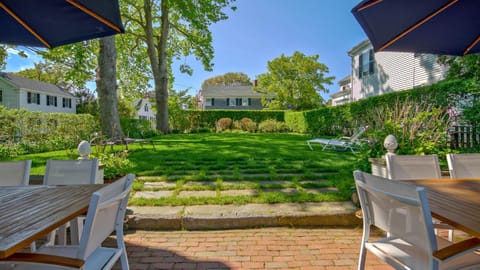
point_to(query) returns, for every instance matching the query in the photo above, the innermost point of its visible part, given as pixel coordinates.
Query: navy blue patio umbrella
(52, 23)
(449, 27)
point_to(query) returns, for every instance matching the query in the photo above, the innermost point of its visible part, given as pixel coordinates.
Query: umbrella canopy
(51, 23)
(450, 27)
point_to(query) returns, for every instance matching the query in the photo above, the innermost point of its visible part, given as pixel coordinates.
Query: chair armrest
(450, 251)
(45, 259)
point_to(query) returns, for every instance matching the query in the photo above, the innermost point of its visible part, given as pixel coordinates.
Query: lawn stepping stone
(164, 185)
(199, 183)
(239, 192)
(283, 190)
(153, 194)
(275, 182)
(199, 193)
(321, 190)
(234, 183)
(310, 182)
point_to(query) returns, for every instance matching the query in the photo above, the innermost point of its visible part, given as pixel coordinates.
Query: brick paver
(265, 248)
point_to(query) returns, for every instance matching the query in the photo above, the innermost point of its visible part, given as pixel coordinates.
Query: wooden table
(454, 201)
(27, 213)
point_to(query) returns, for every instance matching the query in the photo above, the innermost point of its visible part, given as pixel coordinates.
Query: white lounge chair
(340, 143)
(403, 210)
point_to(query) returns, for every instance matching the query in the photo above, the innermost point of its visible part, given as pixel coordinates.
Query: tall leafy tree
(229, 78)
(169, 29)
(293, 82)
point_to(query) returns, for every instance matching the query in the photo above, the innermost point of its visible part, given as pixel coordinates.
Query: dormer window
(145, 108)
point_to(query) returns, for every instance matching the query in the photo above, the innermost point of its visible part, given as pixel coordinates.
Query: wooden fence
(465, 137)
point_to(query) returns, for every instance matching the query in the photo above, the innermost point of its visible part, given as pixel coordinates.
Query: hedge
(208, 118)
(336, 120)
(26, 132)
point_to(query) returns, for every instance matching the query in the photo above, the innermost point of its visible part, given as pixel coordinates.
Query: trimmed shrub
(137, 128)
(247, 124)
(223, 124)
(272, 126)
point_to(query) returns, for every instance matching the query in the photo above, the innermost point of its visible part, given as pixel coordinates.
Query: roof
(341, 93)
(34, 85)
(360, 47)
(138, 103)
(229, 91)
(345, 80)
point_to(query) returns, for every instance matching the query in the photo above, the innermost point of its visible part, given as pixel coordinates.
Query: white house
(378, 73)
(143, 110)
(22, 93)
(344, 95)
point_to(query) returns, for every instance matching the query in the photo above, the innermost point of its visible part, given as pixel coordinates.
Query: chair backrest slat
(70, 172)
(409, 167)
(464, 165)
(398, 208)
(105, 214)
(15, 173)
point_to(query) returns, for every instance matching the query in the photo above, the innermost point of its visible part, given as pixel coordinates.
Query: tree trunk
(158, 62)
(106, 81)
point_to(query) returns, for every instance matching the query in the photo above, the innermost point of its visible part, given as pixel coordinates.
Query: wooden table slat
(28, 213)
(454, 201)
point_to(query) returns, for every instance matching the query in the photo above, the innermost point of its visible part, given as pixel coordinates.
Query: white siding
(43, 103)
(395, 71)
(9, 96)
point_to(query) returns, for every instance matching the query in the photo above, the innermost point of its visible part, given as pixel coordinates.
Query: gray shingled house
(238, 97)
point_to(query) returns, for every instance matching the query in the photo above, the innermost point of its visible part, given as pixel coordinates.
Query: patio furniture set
(68, 198)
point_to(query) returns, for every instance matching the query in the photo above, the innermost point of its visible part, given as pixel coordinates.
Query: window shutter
(249, 102)
(29, 97)
(360, 65)
(228, 101)
(213, 102)
(371, 62)
(48, 100)
(38, 99)
(55, 100)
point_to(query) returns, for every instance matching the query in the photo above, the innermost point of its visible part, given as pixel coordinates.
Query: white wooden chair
(411, 167)
(464, 165)
(105, 215)
(411, 243)
(15, 173)
(70, 172)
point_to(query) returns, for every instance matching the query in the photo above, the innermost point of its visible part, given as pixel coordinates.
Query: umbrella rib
(25, 25)
(418, 24)
(94, 15)
(469, 48)
(367, 5)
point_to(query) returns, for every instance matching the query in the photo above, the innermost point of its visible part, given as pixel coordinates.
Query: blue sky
(261, 30)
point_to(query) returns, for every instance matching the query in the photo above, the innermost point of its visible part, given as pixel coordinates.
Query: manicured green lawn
(232, 161)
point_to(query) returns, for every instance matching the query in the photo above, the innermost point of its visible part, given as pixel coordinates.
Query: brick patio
(266, 248)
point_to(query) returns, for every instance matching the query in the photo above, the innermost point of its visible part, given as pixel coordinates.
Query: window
(33, 98)
(145, 108)
(66, 103)
(238, 101)
(246, 101)
(231, 102)
(210, 102)
(366, 64)
(51, 101)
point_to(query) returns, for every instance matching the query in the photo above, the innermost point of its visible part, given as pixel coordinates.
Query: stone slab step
(201, 217)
